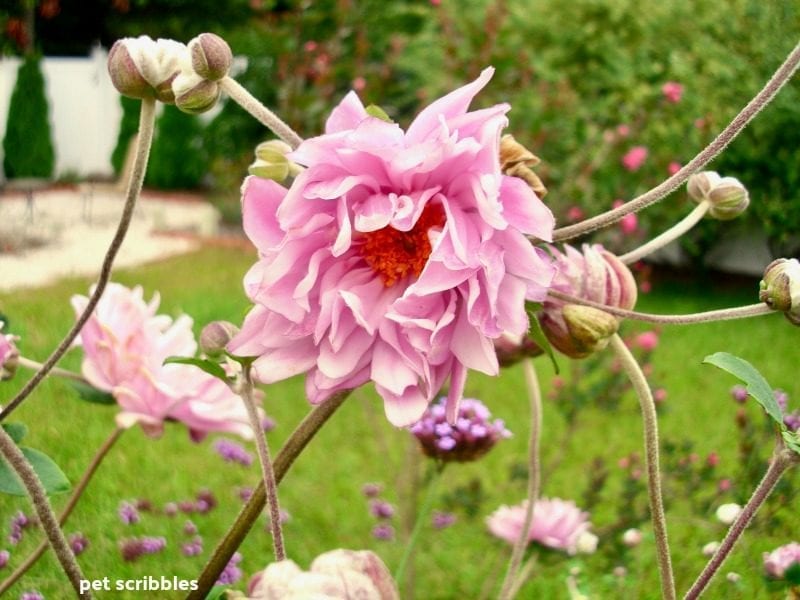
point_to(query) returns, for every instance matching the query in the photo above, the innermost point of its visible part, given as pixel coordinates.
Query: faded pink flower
(125, 344)
(647, 341)
(779, 560)
(396, 256)
(672, 91)
(673, 167)
(8, 353)
(634, 158)
(556, 523)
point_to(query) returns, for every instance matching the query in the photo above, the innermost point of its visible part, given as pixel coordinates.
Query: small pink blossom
(630, 222)
(396, 257)
(557, 524)
(673, 167)
(672, 91)
(359, 83)
(575, 213)
(310, 46)
(700, 123)
(623, 130)
(660, 395)
(647, 341)
(779, 560)
(634, 158)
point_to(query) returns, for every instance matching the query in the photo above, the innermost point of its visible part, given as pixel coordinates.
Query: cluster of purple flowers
(381, 510)
(231, 573)
(128, 513)
(442, 519)
(78, 542)
(231, 451)
(790, 419)
(205, 501)
(31, 595)
(471, 436)
(134, 548)
(19, 522)
(193, 547)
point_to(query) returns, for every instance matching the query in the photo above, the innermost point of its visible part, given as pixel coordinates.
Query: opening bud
(726, 195)
(215, 336)
(271, 161)
(144, 68)
(780, 288)
(193, 94)
(211, 56)
(589, 329)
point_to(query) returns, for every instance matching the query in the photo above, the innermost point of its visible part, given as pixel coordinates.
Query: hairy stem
(267, 472)
(650, 421)
(670, 235)
(32, 364)
(422, 517)
(38, 497)
(67, 511)
(511, 583)
(782, 459)
(144, 141)
(260, 112)
(740, 121)
(722, 314)
(292, 448)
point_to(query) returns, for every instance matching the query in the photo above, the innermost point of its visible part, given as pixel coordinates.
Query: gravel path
(66, 232)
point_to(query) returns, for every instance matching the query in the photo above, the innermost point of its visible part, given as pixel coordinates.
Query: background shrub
(178, 159)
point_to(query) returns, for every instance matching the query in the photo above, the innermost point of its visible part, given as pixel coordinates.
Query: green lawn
(323, 491)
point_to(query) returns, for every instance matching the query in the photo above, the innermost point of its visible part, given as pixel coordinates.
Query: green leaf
(206, 365)
(757, 386)
(373, 110)
(537, 333)
(50, 474)
(17, 431)
(792, 440)
(92, 394)
(217, 592)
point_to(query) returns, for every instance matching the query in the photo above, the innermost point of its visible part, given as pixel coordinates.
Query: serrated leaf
(50, 474)
(204, 364)
(755, 383)
(537, 333)
(91, 394)
(17, 431)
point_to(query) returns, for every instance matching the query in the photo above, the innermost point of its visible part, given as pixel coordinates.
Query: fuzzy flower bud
(211, 56)
(215, 336)
(472, 435)
(271, 161)
(144, 68)
(594, 274)
(780, 287)
(727, 513)
(726, 195)
(193, 94)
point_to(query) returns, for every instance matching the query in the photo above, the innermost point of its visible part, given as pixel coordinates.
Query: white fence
(84, 111)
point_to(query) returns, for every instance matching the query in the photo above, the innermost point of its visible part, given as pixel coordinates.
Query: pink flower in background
(359, 83)
(575, 213)
(557, 524)
(396, 257)
(629, 223)
(623, 130)
(779, 560)
(8, 353)
(647, 341)
(125, 344)
(673, 167)
(634, 158)
(672, 91)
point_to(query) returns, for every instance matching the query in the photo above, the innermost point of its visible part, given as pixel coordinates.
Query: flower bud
(271, 161)
(587, 543)
(726, 195)
(780, 288)
(211, 56)
(632, 538)
(215, 336)
(193, 94)
(144, 68)
(589, 329)
(727, 513)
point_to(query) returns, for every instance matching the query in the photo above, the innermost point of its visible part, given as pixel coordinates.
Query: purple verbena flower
(471, 436)
(442, 520)
(231, 451)
(189, 528)
(31, 595)
(170, 509)
(381, 509)
(371, 490)
(4, 556)
(739, 393)
(134, 548)
(143, 505)
(383, 532)
(153, 545)
(193, 548)
(187, 506)
(245, 493)
(127, 513)
(782, 398)
(78, 542)
(206, 501)
(231, 573)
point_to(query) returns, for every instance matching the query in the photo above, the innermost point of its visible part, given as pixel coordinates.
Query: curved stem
(145, 138)
(260, 112)
(513, 576)
(67, 511)
(267, 472)
(782, 459)
(422, 516)
(32, 364)
(722, 314)
(650, 421)
(38, 497)
(291, 449)
(740, 121)
(670, 235)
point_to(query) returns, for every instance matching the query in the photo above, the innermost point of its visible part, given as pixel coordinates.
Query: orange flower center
(394, 254)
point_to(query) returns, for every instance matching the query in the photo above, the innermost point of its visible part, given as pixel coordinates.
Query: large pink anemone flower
(396, 256)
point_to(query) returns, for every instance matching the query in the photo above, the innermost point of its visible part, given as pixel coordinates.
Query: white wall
(84, 111)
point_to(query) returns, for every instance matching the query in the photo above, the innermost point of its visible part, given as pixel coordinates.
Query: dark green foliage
(27, 146)
(127, 129)
(178, 159)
